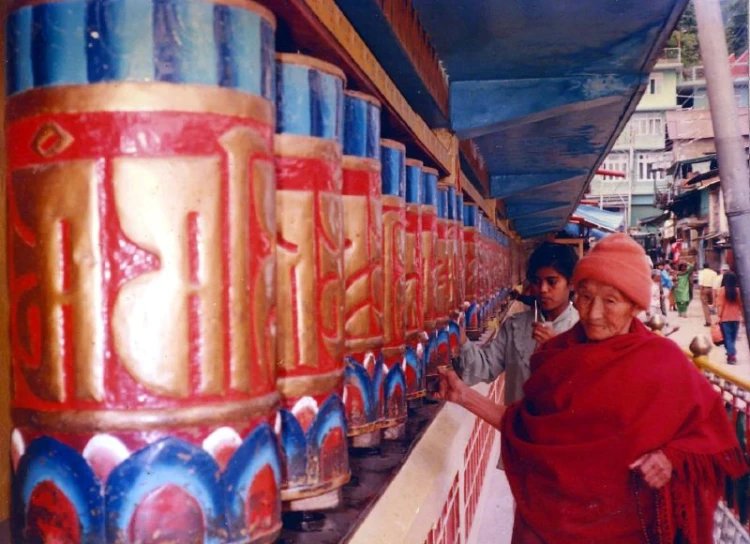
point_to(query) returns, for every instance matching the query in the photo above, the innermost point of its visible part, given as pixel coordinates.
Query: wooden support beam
(319, 28)
(487, 205)
(473, 162)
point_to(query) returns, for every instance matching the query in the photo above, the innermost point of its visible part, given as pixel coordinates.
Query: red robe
(592, 409)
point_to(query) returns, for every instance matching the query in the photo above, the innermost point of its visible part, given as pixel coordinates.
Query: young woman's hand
(541, 332)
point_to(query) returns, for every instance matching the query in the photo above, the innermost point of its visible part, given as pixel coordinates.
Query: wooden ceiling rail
(319, 28)
(404, 21)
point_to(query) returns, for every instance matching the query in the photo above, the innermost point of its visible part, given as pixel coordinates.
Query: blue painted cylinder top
(429, 187)
(460, 207)
(470, 215)
(451, 208)
(361, 125)
(413, 181)
(309, 97)
(81, 42)
(442, 202)
(393, 168)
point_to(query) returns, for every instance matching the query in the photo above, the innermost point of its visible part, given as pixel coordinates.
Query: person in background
(667, 284)
(682, 288)
(706, 279)
(549, 272)
(606, 445)
(717, 282)
(729, 310)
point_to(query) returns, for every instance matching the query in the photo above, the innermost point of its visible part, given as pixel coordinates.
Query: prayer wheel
(393, 182)
(452, 303)
(482, 252)
(364, 395)
(414, 319)
(310, 280)
(472, 320)
(141, 255)
(438, 345)
(429, 207)
(456, 324)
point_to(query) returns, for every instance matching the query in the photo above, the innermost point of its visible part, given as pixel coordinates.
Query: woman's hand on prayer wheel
(655, 468)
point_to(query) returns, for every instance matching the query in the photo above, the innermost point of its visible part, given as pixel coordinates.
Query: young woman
(729, 310)
(549, 272)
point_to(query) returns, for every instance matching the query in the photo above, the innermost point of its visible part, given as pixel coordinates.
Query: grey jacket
(510, 352)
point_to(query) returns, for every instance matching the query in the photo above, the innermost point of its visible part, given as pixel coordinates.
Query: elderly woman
(619, 438)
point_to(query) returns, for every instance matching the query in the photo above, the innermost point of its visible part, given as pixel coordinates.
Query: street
(692, 326)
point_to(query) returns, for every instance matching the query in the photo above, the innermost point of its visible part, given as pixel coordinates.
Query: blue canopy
(542, 87)
(598, 218)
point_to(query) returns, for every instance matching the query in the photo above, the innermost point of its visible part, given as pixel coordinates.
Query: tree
(737, 27)
(686, 34)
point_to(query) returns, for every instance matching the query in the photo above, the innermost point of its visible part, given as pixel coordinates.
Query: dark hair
(729, 283)
(706, 265)
(558, 256)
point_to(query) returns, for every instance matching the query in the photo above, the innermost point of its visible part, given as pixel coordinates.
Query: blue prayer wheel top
(451, 208)
(429, 187)
(393, 168)
(471, 212)
(82, 42)
(361, 125)
(413, 181)
(459, 207)
(443, 198)
(309, 97)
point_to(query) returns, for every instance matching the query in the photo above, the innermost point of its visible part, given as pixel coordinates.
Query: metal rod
(730, 150)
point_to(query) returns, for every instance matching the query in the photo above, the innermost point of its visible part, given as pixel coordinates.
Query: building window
(649, 167)
(655, 83)
(648, 125)
(615, 163)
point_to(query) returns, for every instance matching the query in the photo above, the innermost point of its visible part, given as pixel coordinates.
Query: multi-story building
(640, 153)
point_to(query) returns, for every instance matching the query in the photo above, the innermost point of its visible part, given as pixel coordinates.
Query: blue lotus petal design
(48, 460)
(170, 461)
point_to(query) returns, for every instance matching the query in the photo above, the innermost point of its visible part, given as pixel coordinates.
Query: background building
(641, 151)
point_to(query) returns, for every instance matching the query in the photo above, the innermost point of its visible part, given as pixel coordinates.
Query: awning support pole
(733, 167)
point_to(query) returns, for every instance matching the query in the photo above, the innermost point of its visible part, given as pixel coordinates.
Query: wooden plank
(472, 156)
(405, 23)
(487, 205)
(319, 28)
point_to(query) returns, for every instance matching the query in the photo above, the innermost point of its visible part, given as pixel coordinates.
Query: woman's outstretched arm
(453, 389)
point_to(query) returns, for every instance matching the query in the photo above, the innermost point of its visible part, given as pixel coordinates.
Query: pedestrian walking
(729, 310)
(719, 278)
(667, 285)
(682, 288)
(706, 279)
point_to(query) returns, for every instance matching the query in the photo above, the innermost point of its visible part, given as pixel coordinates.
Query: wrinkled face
(605, 312)
(551, 289)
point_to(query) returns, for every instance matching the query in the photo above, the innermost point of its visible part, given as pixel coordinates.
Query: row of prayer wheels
(218, 272)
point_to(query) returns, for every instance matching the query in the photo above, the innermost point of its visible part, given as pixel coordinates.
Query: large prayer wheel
(429, 245)
(438, 345)
(141, 251)
(456, 324)
(473, 322)
(414, 319)
(310, 276)
(393, 172)
(364, 395)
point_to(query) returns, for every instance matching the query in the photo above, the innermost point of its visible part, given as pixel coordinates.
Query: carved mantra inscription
(141, 265)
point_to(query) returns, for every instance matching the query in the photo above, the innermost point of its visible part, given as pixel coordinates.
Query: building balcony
(670, 55)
